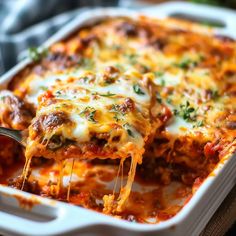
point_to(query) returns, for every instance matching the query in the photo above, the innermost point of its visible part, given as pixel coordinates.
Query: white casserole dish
(50, 217)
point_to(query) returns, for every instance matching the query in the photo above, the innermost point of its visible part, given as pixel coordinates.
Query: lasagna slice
(95, 115)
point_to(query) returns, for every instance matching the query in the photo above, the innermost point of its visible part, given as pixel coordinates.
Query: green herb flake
(158, 73)
(215, 94)
(85, 78)
(143, 68)
(87, 63)
(115, 108)
(89, 113)
(132, 58)
(108, 94)
(108, 81)
(119, 67)
(199, 123)
(158, 98)
(186, 63)
(176, 112)
(137, 89)
(169, 100)
(44, 88)
(36, 54)
(187, 112)
(116, 47)
(116, 117)
(128, 129)
(3, 98)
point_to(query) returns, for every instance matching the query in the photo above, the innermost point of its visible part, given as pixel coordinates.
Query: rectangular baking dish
(22, 213)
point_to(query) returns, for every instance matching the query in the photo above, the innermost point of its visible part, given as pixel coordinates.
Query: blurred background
(27, 23)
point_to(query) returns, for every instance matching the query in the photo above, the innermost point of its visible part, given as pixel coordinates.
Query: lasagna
(156, 95)
(95, 115)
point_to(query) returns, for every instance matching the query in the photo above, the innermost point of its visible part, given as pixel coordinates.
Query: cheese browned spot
(14, 112)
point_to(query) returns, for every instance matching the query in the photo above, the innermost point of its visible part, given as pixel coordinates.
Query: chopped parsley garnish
(186, 63)
(116, 117)
(85, 78)
(214, 94)
(186, 112)
(159, 99)
(115, 108)
(43, 88)
(3, 98)
(108, 80)
(36, 54)
(169, 100)
(199, 123)
(61, 94)
(116, 47)
(137, 89)
(118, 112)
(108, 94)
(89, 113)
(162, 82)
(128, 129)
(132, 58)
(87, 63)
(119, 66)
(158, 73)
(143, 68)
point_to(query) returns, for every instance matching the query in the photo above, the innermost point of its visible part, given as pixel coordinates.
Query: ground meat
(128, 29)
(14, 112)
(112, 72)
(97, 143)
(50, 121)
(29, 186)
(127, 106)
(88, 39)
(157, 43)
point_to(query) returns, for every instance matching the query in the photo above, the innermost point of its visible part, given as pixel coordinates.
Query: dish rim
(89, 17)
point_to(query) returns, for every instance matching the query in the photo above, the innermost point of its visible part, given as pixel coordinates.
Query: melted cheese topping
(95, 108)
